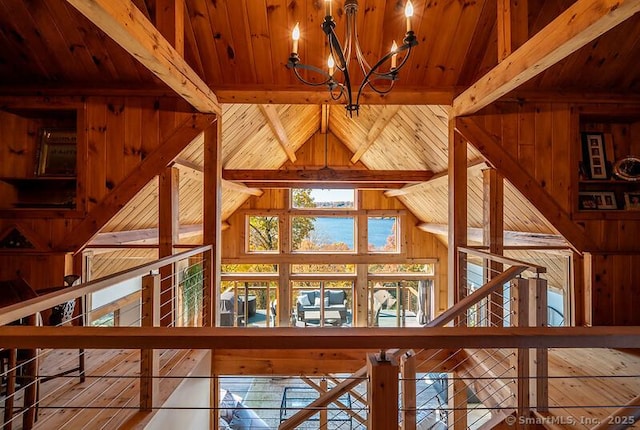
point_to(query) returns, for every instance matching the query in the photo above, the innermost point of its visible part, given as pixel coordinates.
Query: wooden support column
(458, 403)
(149, 358)
(169, 21)
(31, 381)
(361, 298)
(284, 310)
(513, 26)
(168, 227)
(493, 237)
(382, 392)
(408, 372)
(520, 318)
(212, 228)
(539, 286)
(457, 210)
(323, 412)
(579, 298)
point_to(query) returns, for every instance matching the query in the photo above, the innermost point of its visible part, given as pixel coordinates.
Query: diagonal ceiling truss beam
(129, 27)
(581, 23)
(273, 119)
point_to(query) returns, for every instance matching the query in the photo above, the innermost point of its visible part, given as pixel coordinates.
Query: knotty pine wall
(545, 139)
(115, 134)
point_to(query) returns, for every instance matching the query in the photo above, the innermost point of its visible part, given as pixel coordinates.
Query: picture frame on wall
(632, 201)
(57, 152)
(594, 156)
(597, 200)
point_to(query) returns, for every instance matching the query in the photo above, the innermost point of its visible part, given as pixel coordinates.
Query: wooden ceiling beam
(196, 171)
(439, 178)
(145, 236)
(511, 238)
(504, 162)
(127, 25)
(258, 94)
(185, 133)
(169, 20)
(270, 113)
(580, 24)
(319, 185)
(374, 132)
(513, 26)
(328, 176)
(324, 118)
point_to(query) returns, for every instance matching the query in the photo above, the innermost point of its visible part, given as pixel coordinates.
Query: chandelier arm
(315, 69)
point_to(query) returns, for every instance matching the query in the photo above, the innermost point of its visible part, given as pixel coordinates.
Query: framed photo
(632, 201)
(598, 200)
(57, 152)
(594, 155)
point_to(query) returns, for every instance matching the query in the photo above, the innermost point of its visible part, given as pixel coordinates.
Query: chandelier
(375, 77)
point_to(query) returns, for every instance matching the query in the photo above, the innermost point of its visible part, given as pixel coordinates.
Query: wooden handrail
(288, 338)
(38, 304)
(461, 307)
(502, 259)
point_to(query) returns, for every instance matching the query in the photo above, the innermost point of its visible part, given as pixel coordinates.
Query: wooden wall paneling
(277, 14)
(116, 141)
(169, 20)
(634, 290)
(544, 161)
(602, 289)
(97, 141)
(18, 153)
(526, 138)
(133, 140)
(168, 226)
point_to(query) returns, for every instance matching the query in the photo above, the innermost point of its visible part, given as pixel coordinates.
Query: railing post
(31, 381)
(539, 285)
(149, 360)
(408, 372)
(214, 386)
(520, 318)
(324, 416)
(457, 403)
(209, 312)
(382, 392)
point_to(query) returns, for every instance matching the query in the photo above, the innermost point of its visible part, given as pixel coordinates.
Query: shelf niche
(27, 180)
(621, 138)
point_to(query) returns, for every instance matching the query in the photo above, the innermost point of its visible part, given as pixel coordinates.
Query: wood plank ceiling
(240, 47)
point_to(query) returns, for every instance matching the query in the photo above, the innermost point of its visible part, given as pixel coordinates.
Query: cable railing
(23, 371)
(466, 375)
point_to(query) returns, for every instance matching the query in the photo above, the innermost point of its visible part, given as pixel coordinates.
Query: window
(305, 198)
(383, 234)
(323, 234)
(263, 234)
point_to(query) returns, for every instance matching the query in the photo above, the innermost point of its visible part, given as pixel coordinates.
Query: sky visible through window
(333, 195)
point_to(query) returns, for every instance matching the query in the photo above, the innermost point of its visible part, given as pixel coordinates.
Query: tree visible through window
(263, 233)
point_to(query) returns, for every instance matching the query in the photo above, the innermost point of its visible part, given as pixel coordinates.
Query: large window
(263, 234)
(322, 303)
(324, 234)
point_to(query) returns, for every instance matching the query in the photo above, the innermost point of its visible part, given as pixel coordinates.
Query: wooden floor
(582, 396)
(109, 396)
(585, 387)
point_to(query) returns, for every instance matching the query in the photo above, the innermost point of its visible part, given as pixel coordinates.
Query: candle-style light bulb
(331, 64)
(327, 7)
(394, 57)
(408, 12)
(295, 35)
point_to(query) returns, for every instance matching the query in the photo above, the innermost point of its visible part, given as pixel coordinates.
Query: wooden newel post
(542, 354)
(408, 369)
(382, 392)
(520, 318)
(149, 359)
